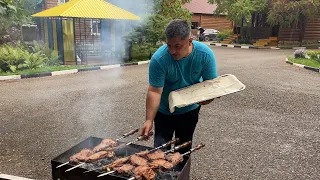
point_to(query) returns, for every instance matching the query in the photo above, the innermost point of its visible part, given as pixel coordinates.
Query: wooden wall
(51, 3)
(208, 21)
(312, 32)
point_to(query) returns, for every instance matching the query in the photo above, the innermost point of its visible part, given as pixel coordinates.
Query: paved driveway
(269, 131)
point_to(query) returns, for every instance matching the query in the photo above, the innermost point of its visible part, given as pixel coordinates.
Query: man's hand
(147, 127)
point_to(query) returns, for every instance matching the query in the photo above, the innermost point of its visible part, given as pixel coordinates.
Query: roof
(200, 6)
(93, 9)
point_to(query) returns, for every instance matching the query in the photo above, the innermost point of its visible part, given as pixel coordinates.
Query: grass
(42, 70)
(307, 62)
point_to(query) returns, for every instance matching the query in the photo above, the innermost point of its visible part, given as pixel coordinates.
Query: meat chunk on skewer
(100, 155)
(156, 155)
(105, 144)
(139, 161)
(161, 163)
(81, 156)
(142, 153)
(124, 169)
(174, 158)
(117, 163)
(144, 172)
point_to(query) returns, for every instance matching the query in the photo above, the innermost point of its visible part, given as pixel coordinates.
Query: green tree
(239, 11)
(151, 30)
(293, 14)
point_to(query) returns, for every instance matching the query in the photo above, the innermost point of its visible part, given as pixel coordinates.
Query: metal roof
(93, 9)
(200, 6)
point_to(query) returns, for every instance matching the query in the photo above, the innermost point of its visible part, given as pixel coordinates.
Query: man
(181, 62)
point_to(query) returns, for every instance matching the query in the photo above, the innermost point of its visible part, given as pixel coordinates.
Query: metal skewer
(186, 144)
(123, 136)
(142, 138)
(184, 154)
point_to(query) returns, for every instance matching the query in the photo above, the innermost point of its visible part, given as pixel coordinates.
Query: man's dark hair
(178, 27)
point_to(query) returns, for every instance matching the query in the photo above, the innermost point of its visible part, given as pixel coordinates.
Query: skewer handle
(144, 137)
(186, 144)
(133, 178)
(128, 134)
(194, 149)
(166, 144)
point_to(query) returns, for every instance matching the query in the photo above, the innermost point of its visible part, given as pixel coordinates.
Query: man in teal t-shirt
(180, 63)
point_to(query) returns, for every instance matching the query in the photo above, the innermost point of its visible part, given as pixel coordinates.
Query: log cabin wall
(312, 32)
(208, 21)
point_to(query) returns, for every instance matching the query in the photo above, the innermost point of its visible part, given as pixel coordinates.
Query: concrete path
(269, 131)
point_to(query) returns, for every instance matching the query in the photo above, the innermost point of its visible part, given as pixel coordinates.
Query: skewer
(186, 144)
(123, 136)
(140, 138)
(189, 152)
(152, 150)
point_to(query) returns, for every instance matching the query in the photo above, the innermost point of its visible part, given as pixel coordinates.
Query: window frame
(98, 33)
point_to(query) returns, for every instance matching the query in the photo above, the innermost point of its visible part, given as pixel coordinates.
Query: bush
(35, 60)
(12, 58)
(53, 57)
(224, 34)
(299, 53)
(314, 55)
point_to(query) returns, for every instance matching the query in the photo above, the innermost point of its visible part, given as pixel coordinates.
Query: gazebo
(87, 31)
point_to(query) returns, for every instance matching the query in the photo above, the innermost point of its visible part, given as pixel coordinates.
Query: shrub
(314, 55)
(12, 58)
(299, 53)
(35, 60)
(224, 34)
(53, 57)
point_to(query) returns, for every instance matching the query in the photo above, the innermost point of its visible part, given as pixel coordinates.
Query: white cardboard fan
(206, 90)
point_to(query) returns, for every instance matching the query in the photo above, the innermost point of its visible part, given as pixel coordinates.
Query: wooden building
(203, 16)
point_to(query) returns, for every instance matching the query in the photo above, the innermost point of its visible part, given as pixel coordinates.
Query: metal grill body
(77, 174)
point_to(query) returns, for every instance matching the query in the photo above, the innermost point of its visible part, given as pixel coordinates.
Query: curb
(10, 177)
(71, 71)
(242, 47)
(303, 66)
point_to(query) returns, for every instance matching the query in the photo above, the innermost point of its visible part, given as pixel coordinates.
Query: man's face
(178, 47)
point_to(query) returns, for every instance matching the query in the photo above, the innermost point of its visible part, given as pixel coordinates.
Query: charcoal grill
(181, 172)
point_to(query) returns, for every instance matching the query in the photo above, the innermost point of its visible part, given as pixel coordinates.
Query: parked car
(208, 34)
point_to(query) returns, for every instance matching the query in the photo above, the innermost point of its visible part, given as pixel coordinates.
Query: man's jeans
(183, 125)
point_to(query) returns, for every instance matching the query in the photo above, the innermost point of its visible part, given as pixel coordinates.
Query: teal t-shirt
(172, 74)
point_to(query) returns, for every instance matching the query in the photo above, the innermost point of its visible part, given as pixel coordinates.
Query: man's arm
(209, 71)
(153, 102)
(152, 106)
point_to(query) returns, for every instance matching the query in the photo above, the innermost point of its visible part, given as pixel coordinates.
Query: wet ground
(269, 131)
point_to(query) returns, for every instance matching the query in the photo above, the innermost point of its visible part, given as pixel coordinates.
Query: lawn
(304, 61)
(42, 70)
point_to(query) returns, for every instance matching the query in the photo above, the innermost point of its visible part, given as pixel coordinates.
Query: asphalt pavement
(271, 130)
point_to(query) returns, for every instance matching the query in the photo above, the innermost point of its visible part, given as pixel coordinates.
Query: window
(194, 25)
(95, 27)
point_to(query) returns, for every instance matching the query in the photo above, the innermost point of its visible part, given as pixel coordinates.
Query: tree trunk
(302, 28)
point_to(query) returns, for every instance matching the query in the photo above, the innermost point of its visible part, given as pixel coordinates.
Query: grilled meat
(101, 155)
(139, 161)
(161, 163)
(105, 144)
(124, 169)
(117, 163)
(174, 158)
(144, 172)
(81, 156)
(142, 153)
(156, 155)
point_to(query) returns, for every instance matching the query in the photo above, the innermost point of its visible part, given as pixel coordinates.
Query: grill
(180, 172)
